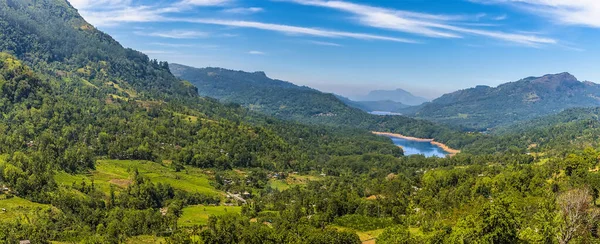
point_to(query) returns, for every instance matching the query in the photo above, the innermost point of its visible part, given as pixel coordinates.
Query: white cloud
(113, 12)
(436, 26)
(251, 10)
(500, 17)
(205, 2)
(569, 12)
(125, 14)
(87, 4)
(256, 53)
(156, 52)
(294, 30)
(321, 43)
(175, 34)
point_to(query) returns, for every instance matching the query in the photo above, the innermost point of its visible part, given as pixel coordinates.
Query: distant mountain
(370, 106)
(398, 95)
(486, 107)
(287, 101)
(261, 93)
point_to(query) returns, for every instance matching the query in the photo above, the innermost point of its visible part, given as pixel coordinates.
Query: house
(24, 242)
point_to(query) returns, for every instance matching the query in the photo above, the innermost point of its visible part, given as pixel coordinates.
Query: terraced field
(118, 174)
(18, 208)
(198, 215)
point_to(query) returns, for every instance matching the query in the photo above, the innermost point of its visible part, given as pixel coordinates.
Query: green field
(293, 180)
(198, 215)
(118, 173)
(19, 208)
(145, 239)
(365, 236)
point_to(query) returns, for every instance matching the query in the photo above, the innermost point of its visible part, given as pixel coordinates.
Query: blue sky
(428, 47)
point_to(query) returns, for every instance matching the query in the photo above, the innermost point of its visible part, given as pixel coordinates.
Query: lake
(384, 113)
(418, 147)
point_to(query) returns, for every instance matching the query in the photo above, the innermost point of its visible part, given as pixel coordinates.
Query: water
(384, 113)
(411, 147)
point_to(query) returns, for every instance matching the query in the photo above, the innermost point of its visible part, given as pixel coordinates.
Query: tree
(577, 214)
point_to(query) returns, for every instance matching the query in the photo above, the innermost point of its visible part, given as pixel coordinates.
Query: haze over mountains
(399, 95)
(478, 108)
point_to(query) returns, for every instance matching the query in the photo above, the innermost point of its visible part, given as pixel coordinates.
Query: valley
(100, 143)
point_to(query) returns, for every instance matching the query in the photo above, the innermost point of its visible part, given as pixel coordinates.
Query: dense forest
(287, 101)
(100, 144)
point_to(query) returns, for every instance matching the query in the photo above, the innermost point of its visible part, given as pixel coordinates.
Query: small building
(25, 242)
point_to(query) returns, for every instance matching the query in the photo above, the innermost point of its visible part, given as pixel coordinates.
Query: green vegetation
(199, 215)
(118, 173)
(100, 144)
(16, 208)
(290, 102)
(508, 103)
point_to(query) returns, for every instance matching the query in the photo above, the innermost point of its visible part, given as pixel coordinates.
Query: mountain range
(399, 95)
(485, 107)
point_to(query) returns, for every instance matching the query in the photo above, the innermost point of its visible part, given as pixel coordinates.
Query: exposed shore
(443, 146)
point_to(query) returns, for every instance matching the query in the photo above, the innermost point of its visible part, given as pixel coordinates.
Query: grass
(118, 174)
(198, 215)
(145, 239)
(293, 180)
(192, 119)
(363, 235)
(20, 208)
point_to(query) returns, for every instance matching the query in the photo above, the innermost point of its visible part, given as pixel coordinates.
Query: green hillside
(99, 144)
(287, 101)
(484, 107)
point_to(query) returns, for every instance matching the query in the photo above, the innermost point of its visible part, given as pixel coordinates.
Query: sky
(428, 47)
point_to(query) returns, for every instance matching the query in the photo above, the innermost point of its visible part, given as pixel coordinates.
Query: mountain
(576, 127)
(100, 144)
(398, 95)
(285, 100)
(261, 93)
(370, 106)
(485, 107)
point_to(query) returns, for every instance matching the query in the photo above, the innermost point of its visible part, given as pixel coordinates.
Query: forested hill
(51, 36)
(290, 102)
(575, 128)
(261, 93)
(486, 107)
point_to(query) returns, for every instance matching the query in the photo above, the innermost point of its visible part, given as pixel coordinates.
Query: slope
(486, 107)
(290, 102)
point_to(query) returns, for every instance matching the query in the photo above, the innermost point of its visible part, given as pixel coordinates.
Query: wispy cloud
(423, 24)
(569, 12)
(205, 2)
(294, 30)
(256, 52)
(172, 44)
(500, 17)
(321, 43)
(113, 12)
(87, 4)
(251, 10)
(156, 52)
(174, 34)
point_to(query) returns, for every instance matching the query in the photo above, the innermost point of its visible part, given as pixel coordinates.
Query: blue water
(417, 147)
(384, 113)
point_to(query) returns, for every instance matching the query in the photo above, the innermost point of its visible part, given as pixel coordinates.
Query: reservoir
(412, 147)
(384, 113)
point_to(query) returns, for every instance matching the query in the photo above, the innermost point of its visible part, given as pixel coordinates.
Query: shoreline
(443, 146)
